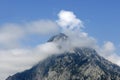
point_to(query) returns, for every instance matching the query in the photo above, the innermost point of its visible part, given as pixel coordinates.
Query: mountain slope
(81, 64)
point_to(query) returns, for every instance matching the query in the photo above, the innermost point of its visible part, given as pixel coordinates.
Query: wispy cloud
(41, 27)
(11, 33)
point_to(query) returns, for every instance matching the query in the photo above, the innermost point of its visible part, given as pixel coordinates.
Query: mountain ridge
(81, 64)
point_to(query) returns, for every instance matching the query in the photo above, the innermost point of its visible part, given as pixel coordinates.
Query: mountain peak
(60, 36)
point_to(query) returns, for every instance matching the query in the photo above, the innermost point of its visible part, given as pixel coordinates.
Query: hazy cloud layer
(14, 58)
(42, 27)
(11, 33)
(18, 59)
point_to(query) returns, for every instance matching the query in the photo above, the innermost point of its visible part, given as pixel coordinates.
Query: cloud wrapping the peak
(48, 48)
(72, 26)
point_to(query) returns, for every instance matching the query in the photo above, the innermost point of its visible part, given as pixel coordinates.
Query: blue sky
(24, 23)
(101, 18)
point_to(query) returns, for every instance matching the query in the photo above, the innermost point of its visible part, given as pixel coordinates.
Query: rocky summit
(80, 64)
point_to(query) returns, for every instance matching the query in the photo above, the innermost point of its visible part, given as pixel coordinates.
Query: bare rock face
(81, 64)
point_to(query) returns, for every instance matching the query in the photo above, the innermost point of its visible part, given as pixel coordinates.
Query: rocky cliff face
(81, 64)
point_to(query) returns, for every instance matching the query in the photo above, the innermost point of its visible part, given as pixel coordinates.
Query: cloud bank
(12, 33)
(15, 58)
(14, 55)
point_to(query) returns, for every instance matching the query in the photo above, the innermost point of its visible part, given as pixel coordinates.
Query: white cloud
(68, 20)
(11, 34)
(13, 57)
(48, 48)
(108, 47)
(42, 27)
(16, 60)
(108, 51)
